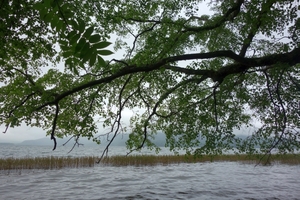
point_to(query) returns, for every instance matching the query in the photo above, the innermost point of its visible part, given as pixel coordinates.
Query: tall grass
(137, 160)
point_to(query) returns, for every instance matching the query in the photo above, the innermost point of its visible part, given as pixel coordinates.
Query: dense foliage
(195, 70)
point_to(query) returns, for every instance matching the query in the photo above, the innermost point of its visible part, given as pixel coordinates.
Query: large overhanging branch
(241, 64)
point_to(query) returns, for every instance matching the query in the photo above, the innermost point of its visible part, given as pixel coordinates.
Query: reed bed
(138, 160)
(46, 163)
(150, 160)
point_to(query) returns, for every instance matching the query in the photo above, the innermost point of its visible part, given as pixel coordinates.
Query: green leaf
(53, 3)
(48, 47)
(64, 45)
(68, 62)
(87, 56)
(81, 25)
(60, 26)
(63, 42)
(80, 45)
(93, 59)
(101, 45)
(85, 50)
(67, 54)
(87, 34)
(48, 17)
(54, 22)
(101, 62)
(105, 52)
(94, 38)
(43, 14)
(74, 24)
(47, 4)
(71, 34)
(38, 6)
(74, 39)
(68, 14)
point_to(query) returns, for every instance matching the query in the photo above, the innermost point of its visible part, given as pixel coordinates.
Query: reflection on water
(217, 180)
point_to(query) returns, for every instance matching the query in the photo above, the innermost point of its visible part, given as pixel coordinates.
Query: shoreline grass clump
(49, 163)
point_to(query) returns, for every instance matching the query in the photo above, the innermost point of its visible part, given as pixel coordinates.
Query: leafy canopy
(195, 77)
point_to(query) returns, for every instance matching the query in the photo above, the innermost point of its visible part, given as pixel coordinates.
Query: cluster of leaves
(22, 38)
(77, 38)
(241, 68)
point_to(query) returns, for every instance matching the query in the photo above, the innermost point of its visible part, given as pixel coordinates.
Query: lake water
(216, 180)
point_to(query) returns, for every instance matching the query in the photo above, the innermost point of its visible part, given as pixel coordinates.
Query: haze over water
(216, 180)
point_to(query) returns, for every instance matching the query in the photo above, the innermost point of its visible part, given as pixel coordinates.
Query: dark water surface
(217, 180)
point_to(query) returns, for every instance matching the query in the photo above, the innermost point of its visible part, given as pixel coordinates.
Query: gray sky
(19, 134)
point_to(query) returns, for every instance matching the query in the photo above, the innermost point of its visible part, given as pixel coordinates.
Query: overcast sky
(23, 132)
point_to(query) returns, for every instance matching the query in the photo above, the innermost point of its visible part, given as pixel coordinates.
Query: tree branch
(119, 116)
(254, 29)
(215, 107)
(16, 107)
(137, 36)
(229, 15)
(157, 104)
(54, 126)
(242, 64)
